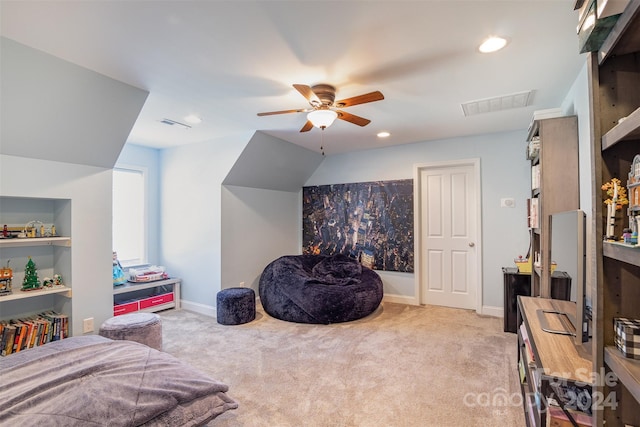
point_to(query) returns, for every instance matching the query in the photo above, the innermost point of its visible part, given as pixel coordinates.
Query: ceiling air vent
(498, 103)
(174, 123)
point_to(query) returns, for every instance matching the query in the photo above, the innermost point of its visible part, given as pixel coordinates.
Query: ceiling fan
(324, 110)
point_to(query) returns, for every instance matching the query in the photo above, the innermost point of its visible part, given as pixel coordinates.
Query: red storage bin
(156, 300)
(125, 308)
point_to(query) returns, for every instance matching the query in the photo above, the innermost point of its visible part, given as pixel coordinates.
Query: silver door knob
(471, 244)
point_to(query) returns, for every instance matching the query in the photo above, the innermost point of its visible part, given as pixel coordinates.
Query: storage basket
(524, 265)
(627, 336)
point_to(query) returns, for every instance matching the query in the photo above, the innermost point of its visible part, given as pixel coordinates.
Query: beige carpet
(402, 366)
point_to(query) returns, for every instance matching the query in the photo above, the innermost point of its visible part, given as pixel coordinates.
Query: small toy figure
(47, 282)
(633, 185)
(118, 273)
(57, 280)
(6, 278)
(618, 198)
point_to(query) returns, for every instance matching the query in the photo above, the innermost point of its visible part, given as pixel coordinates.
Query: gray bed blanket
(94, 381)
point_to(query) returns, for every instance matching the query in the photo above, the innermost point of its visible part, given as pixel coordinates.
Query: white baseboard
(488, 310)
(210, 311)
(196, 307)
(400, 299)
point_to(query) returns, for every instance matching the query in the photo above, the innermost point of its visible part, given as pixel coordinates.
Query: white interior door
(449, 235)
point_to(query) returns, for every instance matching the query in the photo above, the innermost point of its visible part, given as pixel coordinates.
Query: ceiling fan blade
(357, 120)
(308, 93)
(360, 99)
(271, 113)
(307, 127)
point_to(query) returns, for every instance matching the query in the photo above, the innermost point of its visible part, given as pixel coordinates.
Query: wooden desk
(557, 360)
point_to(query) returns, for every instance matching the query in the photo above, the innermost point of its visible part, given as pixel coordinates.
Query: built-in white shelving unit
(52, 255)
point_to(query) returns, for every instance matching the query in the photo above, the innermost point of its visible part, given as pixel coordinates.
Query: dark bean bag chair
(319, 289)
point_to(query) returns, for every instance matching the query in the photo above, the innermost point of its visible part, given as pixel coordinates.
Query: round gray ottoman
(235, 306)
(145, 328)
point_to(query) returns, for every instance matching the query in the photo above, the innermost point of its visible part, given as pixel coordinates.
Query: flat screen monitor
(568, 250)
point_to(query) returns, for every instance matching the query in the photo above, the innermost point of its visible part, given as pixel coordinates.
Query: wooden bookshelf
(614, 93)
(627, 370)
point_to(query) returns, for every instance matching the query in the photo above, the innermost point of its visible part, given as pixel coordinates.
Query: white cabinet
(151, 296)
(52, 255)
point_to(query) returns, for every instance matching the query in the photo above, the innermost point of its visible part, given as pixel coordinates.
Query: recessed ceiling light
(492, 44)
(383, 134)
(194, 120)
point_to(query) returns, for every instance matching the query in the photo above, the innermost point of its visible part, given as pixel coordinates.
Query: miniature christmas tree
(30, 281)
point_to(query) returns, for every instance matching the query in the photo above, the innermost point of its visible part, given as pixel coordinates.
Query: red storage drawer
(156, 300)
(125, 308)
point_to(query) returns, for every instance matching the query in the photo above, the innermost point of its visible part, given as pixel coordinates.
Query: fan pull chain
(322, 141)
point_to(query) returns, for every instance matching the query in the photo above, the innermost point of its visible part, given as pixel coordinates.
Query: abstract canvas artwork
(368, 221)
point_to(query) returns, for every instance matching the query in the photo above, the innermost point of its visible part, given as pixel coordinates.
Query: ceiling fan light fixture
(322, 118)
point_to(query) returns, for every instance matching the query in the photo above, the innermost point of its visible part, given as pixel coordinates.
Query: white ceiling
(225, 61)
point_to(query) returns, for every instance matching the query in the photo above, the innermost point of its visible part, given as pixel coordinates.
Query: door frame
(417, 208)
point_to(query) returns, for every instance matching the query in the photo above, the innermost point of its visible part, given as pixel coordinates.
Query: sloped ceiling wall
(270, 163)
(54, 110)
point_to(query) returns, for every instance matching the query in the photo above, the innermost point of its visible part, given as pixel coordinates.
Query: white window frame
(145, 247)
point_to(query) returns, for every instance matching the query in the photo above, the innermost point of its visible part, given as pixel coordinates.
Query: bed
(94, 381)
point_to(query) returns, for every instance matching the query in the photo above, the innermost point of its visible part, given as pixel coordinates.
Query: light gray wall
(149, 158)
(62, 129)
(52, 109)
(504, 173)
(191, 182)
(273, 164)
(203, 234)
(215, 236)
(89, 189)
(258, 227)
(577, 103)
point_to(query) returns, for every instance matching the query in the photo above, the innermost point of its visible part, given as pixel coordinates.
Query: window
(129, 215)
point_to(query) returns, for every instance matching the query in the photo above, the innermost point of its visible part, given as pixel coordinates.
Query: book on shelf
(522, 370)
(533, 213)
(529, 359)
(21, 334)
(8, 336)
(59, 325)
(39, 332)
(28, 335)
(535, 177)
(11, 345)
(21, 330)
(527, 343)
